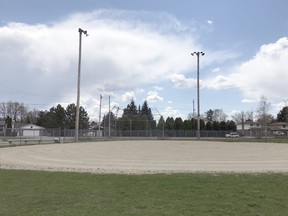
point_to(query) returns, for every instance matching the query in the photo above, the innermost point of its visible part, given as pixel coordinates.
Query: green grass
(55, 193)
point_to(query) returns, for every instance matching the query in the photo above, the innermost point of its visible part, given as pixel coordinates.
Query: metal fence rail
(56, 135)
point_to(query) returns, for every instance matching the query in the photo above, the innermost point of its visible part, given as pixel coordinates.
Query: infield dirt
(149, 156)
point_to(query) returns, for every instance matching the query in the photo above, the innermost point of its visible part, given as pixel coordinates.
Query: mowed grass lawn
(58, 193)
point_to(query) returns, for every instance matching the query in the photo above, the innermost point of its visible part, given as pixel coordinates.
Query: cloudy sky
(142, 50)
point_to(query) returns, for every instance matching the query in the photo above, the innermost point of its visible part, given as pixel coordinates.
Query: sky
(142, 50)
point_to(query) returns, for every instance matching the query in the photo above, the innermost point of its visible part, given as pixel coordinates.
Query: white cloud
(171, 112)
(158, 88)
(219, 82)
(140, 90)
(215, 70)
(123, 51)
(210, 22)
(249, 101)
(180, 81)
(127, 96)
(265, 74)
(153, 97)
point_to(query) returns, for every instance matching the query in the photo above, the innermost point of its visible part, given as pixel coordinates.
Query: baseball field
(145, 177)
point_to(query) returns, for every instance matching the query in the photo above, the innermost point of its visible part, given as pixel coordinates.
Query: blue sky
(142, 49)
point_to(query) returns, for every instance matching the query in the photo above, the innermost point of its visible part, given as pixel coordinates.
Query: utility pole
(198, 92)
(109, 130)
(78, 84)
(193, 109)
(100, 115)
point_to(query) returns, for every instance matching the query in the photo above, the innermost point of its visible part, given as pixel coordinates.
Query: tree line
(141, 118)
(58, 117)
(262, 116)
(55, 117)
(135, 117)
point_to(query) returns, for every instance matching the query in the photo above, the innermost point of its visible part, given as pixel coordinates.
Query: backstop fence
(56, 135)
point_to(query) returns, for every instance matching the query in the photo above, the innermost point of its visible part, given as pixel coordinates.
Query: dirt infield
(152, 156)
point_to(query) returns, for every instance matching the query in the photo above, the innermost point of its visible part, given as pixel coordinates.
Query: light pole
(99, 128)
(109, 129)
(198, 92)
(78, 84)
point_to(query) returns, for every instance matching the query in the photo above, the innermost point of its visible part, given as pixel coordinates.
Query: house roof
(278, 124)
(32, 127)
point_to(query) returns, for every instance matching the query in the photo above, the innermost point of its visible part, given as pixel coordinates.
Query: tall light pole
(78, 84)
(99, 128)
(198, 92)
(109, 127)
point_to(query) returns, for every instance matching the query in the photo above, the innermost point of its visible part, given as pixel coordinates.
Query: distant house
(2, 128)
(32, 130)
(249, 128)
(94, 131)
(247, 125)
(278, 126)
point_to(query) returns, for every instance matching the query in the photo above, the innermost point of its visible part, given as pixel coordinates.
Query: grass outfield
(57, 193)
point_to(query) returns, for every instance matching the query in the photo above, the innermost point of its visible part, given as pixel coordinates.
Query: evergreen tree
(83, 118)
(71, 116)
(231, 125)
(161, 123)
(105, 121)
(209, 115)
(8, 122)
(131, 110)
(134, 118)
(209, 125)
(282, 116)
(187, 124)
(147, 116)
(194, 124)
(190, 124)
(216, 125)
(169, 123)
(58, 117)
(202, 124)
(146, 111)
(178, 124)
(223, 125)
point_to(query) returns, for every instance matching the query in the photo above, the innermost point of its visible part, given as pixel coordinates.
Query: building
(278, 126)
(249, 128)
(32, 130)
(2, 128)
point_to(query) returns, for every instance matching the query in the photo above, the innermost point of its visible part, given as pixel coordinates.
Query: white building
(32, 130)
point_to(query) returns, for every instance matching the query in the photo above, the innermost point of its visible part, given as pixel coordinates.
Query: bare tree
(17, 111)
(239, 117)
(242, 117)
(250, 115)
(3, 110)
(263, 112)
(219, 115)
(31, 117)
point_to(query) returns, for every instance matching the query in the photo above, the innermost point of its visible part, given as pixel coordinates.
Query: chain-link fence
(56, 135)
